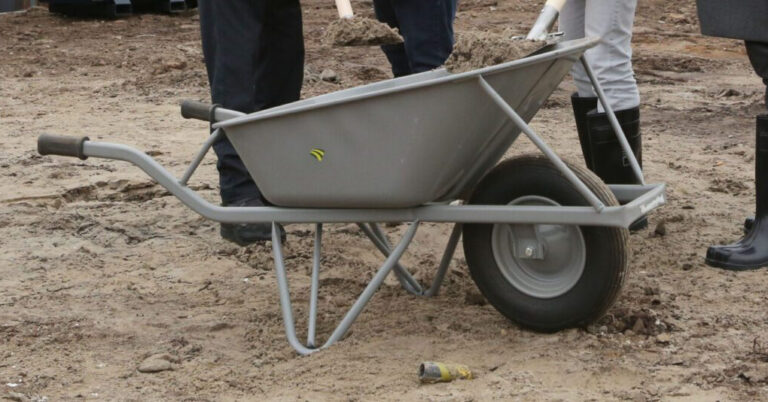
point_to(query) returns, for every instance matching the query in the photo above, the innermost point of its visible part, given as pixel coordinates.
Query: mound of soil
(361, 31)
(475, 50)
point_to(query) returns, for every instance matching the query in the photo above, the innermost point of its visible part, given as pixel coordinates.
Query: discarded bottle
(431, 372)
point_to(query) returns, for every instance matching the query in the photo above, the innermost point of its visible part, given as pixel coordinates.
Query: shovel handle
(556, 4)
(345, 8)
(546, 19)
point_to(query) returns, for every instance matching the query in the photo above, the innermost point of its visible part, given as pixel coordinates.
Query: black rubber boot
(582, 105)
(751, 252)
(605, 156)
(244, 234)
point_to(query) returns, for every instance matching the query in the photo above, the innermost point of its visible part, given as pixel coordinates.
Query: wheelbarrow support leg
(357, 307)
(315, 284)
(377, 237)
(445, 262)
(379, 240)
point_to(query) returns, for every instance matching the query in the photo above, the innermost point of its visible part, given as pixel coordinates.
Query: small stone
(619, 325)
(221, 326)
(664, 338)
(191, 350)
(339, 301)
(755, 375)
(677, 18)
(651, 290)
(639, 326)
(639, 397)
(16, 396)
(155, 364)
(329, 75)
(728, 92)
(687, 266)
(472, 297)
(661, 229)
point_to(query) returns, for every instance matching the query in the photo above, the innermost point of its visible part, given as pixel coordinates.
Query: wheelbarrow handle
(197, 110)
(49, 144)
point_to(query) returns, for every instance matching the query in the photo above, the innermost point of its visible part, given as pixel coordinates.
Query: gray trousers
(611, 60)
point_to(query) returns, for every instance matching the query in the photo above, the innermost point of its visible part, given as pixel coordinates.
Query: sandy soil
(360, 31)
(478, 49)
(100, 268)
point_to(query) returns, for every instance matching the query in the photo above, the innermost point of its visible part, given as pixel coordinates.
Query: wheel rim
(562, 263)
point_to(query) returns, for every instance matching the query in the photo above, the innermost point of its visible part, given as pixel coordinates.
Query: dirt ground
(101, 268)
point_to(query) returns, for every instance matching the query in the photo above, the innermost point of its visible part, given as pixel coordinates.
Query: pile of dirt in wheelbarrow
(361, 31)
(475, 50)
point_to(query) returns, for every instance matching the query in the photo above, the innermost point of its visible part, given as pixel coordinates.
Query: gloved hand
(546, 20)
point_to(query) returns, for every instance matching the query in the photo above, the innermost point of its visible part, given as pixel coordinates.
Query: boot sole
(734, 267)
(638, 225)
(230, 236)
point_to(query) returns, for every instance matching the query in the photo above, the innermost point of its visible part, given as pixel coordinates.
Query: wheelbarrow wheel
(544, 277)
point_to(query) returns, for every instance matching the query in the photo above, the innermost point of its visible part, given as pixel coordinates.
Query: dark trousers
(426, 27)
(758, 56)
(254, 54)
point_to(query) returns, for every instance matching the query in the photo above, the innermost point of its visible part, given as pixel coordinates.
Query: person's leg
(385, 12)
(235, 38)
(280, 66)
(231, 32)
(427, 30)
(751, 252)
(572, 25)
(583, 100)
(277, 78)
(758, 56)
(611, 60)
(601, 148)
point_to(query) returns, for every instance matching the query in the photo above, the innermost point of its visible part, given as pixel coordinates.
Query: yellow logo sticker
(317, 153)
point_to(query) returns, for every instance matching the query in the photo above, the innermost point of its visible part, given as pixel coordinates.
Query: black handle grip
(197, 110)
(48, 144)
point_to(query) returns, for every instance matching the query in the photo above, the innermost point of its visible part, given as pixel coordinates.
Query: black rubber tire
(606, 248)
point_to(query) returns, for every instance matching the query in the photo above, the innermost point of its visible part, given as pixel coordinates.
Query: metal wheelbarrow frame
(637, 200)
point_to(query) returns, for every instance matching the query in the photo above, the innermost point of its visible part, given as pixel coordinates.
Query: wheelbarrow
(545, 241)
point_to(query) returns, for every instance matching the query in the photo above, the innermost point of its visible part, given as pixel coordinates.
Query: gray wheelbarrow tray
(402, 150)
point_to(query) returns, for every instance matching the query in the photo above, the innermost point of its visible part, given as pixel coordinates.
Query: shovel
(544, 22)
